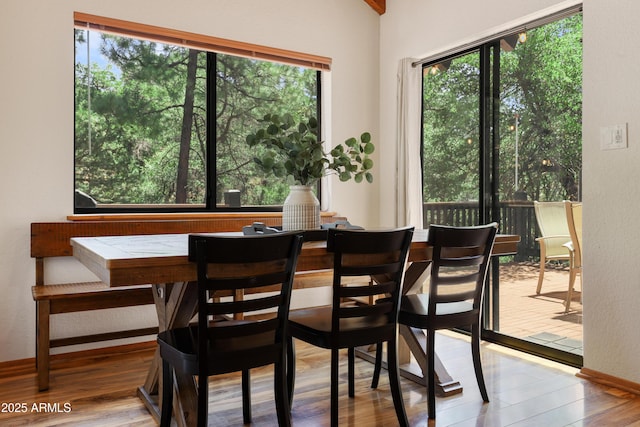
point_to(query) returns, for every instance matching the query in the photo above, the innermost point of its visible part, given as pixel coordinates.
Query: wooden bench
(52, 239)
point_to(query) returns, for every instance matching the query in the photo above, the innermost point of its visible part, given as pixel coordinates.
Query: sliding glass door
(502, 129)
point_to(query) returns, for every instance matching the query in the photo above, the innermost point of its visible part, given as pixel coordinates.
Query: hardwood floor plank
(524, 391)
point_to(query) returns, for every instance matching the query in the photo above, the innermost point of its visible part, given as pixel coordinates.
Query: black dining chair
(461, 258)
(348, 323)
(225, 338)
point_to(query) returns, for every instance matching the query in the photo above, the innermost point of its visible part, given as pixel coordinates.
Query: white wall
(36, 120)
(611, 192)
(414, 28)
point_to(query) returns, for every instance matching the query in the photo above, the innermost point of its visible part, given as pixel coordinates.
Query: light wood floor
(524, 391)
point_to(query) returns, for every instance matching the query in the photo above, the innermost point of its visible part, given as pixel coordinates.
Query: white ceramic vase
(301, 209)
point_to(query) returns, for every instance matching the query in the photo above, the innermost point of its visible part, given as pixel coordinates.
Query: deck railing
(515, 217)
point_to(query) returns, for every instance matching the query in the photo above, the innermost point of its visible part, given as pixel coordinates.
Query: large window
(160, 126)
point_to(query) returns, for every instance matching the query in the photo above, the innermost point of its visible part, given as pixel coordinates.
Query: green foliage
(132, 103)
(451, 121)
(540, 87)
(127, 140)
(247, 90)
(292, 149)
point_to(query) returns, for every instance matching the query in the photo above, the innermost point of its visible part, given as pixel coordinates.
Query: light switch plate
(613, 137)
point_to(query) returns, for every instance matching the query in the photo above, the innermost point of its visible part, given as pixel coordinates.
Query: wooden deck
(540, 318)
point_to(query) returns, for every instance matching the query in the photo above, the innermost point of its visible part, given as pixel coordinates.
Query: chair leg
(282, 398)
(351, 368)
(431, 374)
(572, 282)
(167, 395)
(43, 343)
(477, 362)
(540, 275)
(291, 369)
(246, 396)
(203, 400)
(377, 367)
(334, 387)
(394, 381)
(579, 271)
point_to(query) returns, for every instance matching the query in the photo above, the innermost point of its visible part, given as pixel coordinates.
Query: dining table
(162, 261)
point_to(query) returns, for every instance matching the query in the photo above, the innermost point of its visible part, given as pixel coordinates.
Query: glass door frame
(489, 205)
(489, 197)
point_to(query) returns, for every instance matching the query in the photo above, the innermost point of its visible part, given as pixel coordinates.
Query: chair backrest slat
(235, 283)
(459, 279)
(370, 269)
(368, 290)
(465, 261)
(244, 306)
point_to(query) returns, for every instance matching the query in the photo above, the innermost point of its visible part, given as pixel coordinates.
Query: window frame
(211, 46)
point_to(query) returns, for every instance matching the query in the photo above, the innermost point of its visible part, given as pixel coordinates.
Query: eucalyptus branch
(294, 150)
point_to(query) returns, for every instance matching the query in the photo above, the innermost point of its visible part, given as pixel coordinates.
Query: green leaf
(288, 166)
(288, 121)
(369, 148)
(345, 176)
(369, 177)
(367, 164)
(273, 129)
(351, 142)
(317, 155)
(268, 162)
(365, 137)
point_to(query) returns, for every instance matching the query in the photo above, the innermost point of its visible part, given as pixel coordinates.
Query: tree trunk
(182, 179)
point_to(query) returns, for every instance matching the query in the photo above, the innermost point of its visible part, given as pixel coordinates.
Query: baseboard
(609, 380)
(19, 367)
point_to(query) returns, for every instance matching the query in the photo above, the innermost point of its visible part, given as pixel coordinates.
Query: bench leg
(43, 311)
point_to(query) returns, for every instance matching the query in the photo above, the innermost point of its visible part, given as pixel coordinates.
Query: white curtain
(408, 168)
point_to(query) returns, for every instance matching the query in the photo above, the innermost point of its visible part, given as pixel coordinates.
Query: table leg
(176, 304)
(416, 340)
